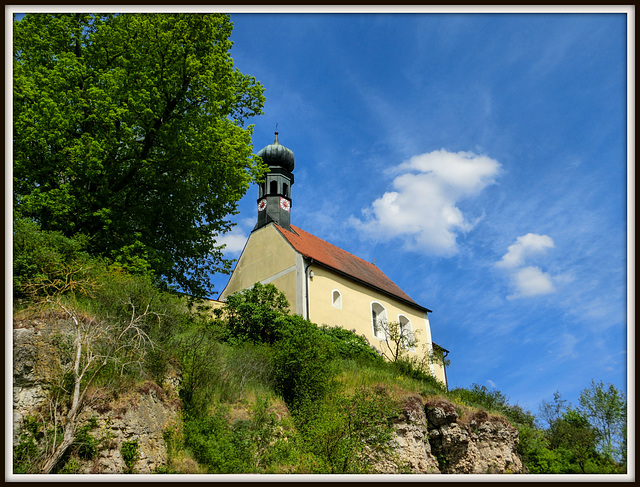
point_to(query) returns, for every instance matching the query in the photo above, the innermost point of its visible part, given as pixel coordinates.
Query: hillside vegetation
(260, 390)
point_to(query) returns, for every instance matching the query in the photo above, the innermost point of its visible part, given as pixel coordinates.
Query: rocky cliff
(137, 416)
(431, 436)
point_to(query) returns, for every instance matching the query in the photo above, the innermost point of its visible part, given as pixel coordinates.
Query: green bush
(493, 400)
(213, 371)
(302, 362)
(130, 454)
(210, 440)
(201, 358)
(28, 452)
(350, 434)
(349, 345)
(246, 366)
(260, 444)
(254, 314)
(481, 397)
(85, 445)
(44, 256)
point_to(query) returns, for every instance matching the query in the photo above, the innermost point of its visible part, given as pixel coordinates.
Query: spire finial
(276, 141)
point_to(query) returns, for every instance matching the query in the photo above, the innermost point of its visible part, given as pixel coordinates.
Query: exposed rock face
(138, 415)
(34, 366)
(412, 444)
(482, 444)
(432, 438)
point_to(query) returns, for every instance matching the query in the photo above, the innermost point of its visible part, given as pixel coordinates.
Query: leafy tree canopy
(130, 129)
(606, 408)
(256, 314)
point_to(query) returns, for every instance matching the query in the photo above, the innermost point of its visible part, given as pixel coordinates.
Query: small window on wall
(273, 187)
(285, 189)
(336, 299)
(407, 340)
(379, 320)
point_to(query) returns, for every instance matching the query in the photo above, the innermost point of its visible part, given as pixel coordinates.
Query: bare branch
(94, 343)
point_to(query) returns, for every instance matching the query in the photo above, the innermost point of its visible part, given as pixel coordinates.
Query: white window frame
(336, 303)
(379, 317)
(401, 325)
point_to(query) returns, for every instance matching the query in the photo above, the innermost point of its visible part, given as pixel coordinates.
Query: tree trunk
(69, 437)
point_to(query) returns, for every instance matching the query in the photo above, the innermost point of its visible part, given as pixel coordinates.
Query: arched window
(273, 187)
(336, 299)
(261, 190)
(285, 189)
(407, 340)
(378, 320)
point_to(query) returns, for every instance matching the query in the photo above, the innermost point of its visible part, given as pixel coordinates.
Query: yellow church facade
(321, 281)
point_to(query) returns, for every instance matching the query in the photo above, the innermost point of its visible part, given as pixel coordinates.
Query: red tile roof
(344, 263)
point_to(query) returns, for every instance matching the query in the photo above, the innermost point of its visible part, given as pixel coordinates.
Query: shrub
(302, 362)
(85, 445)
(245, 366)
(201, 359)
(28, 452)
(253, 314)
(47, 256)
(349, 345)
(493, 400)
(130, 454)
(351, 434)
(209, 438)
(243, 446)
(481, 397)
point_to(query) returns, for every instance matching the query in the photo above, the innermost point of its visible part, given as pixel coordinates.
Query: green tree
(550, 412)
(572, 436)
(130, 129)
(254, 314)
(606, 409)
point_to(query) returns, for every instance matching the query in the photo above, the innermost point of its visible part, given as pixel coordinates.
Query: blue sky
(480, 159)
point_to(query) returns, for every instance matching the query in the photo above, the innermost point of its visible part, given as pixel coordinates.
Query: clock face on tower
(285, 204)
(262, 204)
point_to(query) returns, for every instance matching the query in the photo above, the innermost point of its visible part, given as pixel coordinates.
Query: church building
(322, 282)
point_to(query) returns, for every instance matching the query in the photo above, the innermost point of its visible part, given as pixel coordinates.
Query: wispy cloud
(527, 281)
(528, 245)
(423, 208)
(564, 347)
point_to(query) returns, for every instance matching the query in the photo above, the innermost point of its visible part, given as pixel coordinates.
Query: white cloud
(531, 281)
(526, 246)
(234, 242)
(422, 208)
(528, 281)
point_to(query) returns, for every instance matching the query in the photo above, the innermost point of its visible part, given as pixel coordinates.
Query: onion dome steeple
(274, 193)
(277, 155)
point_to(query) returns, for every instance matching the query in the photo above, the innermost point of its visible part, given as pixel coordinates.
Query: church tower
(274, 193)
